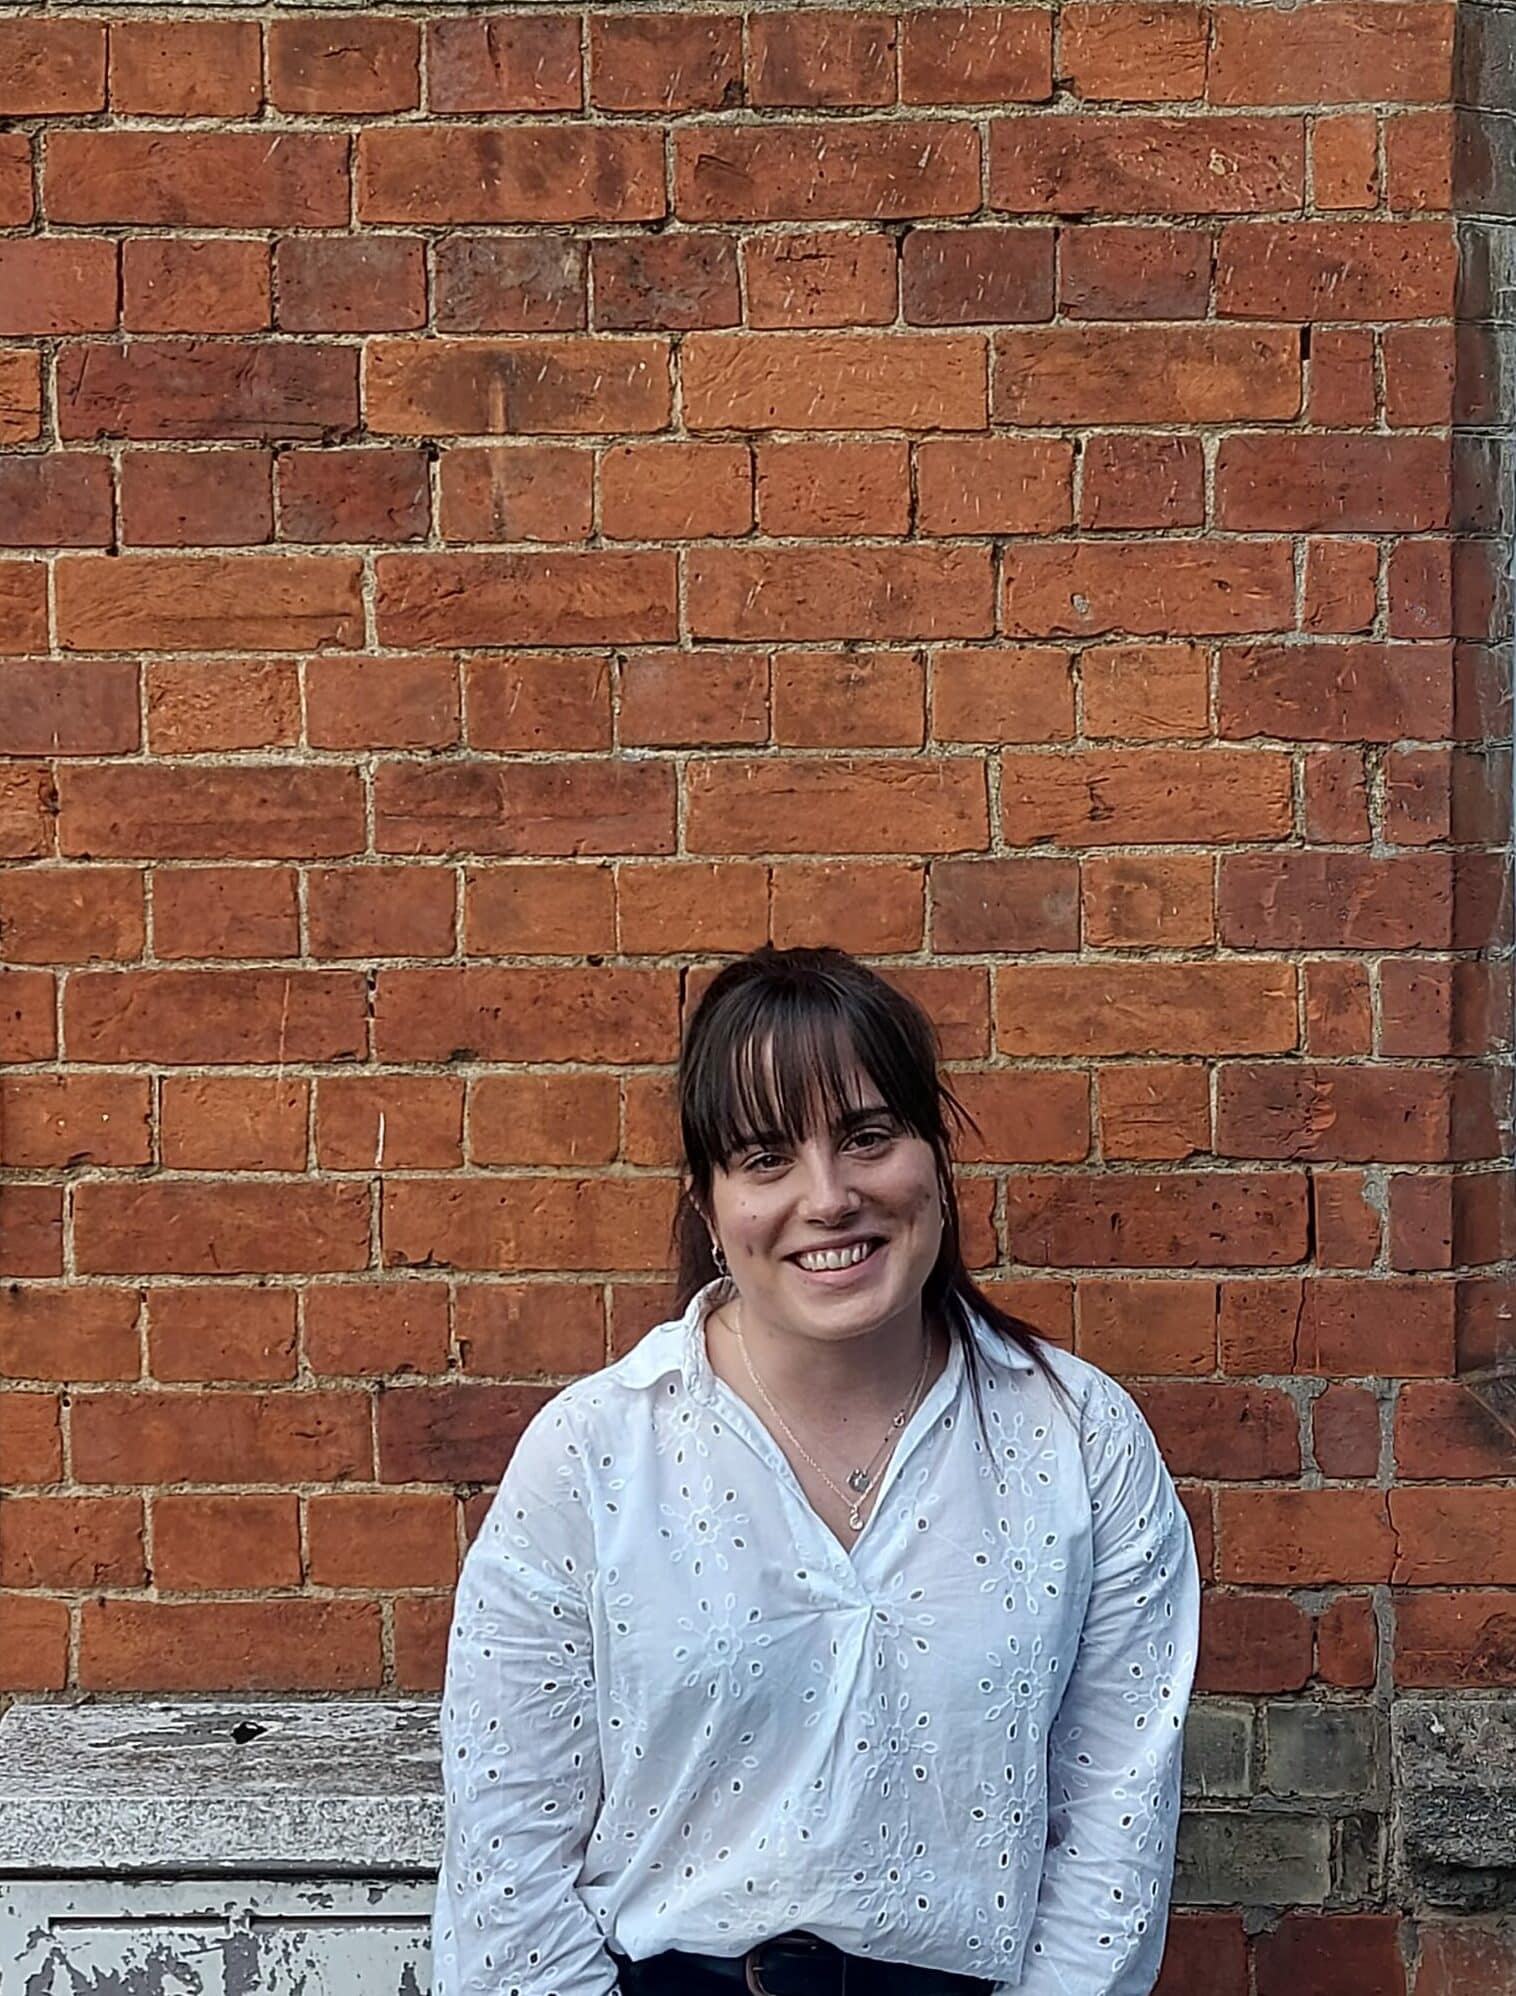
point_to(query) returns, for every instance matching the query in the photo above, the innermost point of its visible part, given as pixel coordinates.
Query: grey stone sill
(282, 1787)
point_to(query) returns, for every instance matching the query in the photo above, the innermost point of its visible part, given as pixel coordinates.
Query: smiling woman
(840, 1636)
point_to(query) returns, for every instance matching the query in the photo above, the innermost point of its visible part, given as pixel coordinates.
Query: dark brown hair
(772, 1040)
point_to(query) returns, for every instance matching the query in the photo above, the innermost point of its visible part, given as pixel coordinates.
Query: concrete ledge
(286, 1788)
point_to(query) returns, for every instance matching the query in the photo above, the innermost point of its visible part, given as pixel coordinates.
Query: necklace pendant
(855, 1520)
(859, 1481)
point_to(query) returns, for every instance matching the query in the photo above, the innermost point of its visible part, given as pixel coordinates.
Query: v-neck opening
(937, 1396)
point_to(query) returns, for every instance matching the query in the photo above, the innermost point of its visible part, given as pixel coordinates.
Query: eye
(879, 1135)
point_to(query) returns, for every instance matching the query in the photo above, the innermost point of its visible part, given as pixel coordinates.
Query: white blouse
(679, 1714)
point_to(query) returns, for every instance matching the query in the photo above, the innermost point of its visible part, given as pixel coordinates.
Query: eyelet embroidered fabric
(678, 1714)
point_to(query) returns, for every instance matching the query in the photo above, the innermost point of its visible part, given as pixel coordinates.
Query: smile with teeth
(837, 1257)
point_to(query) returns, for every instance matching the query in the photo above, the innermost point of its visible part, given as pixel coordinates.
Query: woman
(840, 1636)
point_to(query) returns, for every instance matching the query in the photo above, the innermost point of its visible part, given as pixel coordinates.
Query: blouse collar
(678, 1345)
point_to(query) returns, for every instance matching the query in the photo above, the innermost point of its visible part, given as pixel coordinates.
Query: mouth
(836, 1268)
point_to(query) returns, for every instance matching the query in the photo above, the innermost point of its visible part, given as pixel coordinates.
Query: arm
(520, 1757)
(1115, 1747)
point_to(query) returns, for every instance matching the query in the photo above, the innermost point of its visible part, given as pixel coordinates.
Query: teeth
(835, 1257)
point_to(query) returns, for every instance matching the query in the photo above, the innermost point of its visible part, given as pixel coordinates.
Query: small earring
(718, 1257)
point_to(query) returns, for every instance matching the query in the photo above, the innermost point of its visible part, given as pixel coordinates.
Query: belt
(794, 1964)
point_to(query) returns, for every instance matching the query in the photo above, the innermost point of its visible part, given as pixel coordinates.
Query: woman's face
(869, 1179)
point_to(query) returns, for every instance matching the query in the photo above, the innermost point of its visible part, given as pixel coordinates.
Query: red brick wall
(506, 507)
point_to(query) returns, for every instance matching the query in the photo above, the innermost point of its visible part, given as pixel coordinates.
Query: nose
(828, 1197)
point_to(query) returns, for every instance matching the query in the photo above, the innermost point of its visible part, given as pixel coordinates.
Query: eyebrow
(843, 1124)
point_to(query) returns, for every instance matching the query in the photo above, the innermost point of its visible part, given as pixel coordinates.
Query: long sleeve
(1115, 1747)
(520, 1759)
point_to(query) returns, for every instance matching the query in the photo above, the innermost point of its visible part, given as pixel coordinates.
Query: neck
(856, 1378)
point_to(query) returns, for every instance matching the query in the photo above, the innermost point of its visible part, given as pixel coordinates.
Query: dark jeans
(791, 1965)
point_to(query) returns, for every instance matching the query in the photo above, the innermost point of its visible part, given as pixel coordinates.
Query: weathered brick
(228, 1228)
(203, 1543)
(329, 63)
(665, 62)
(233, 1123)
(16, 200)
(1134, 51)
(208, 284)
(186, 69)
(1135, 900)
(1176, 1219)
(20, 420)
(67, 708)
(561, 387)
(1149, 589)
(405, 1122)
(196, 499)
(976, 55)
(509, 173)
(1340, 52)
(850, 171)
(401, 703)
(1136, 481)
(284, 1645)
(787, 381)
(1157, 796)
(200, 602)
(679, 907)
(1093, 165)
(834, 489)
(822, 592)
(675, 491)
(205, 389)
(1335, 900)
(674, 699)
(353, 495)
(225, 911)
(825, 278)
(1335, 692)
(1115, 272)
(1145, 1008)
(504, 63)
(1371, 484)
(1335, 270)
(1188, 374)
(70, 1334)
(71, 914)
(62, 501)
(56, 284)
(787, 806)
(997, 485)
(1001, 693)
(594, 597)
(191, 1017)
(658, 283)
(358, 284)
(1355, 1114)
(198, 705)
(820, 58)
(539, 700)
(199, 179)
(517, 492)
(509, 1224)
(51, 67)
(510, 284)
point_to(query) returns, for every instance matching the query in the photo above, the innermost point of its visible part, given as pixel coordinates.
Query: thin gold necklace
(860, 1481)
